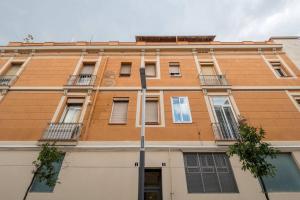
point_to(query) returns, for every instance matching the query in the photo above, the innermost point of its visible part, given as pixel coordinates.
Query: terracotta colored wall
(274, 111)
(100, 128)
(251, 70)
(111, 75)
(52, 71)
(24, 115)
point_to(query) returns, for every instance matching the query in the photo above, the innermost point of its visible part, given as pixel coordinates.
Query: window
(226, 124)
(152, 110)
(41, 186)
(207, 68)
(119, 111)
(297, 99)
(174, 69)
(86, 73)
(125, 69)
(279, 69)
(150, 69)
(72, 111)
(287, 178)
(13, 69)
(209, 173)
(181, 110)
(8, 76)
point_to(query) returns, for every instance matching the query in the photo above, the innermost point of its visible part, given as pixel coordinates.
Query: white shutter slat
(13, 70)
(119, 112)
(151, 111)
(87, 69)
(208, 70)
(150, 70)
(125, 69)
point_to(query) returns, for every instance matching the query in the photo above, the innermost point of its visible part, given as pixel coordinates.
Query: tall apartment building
(87, 98)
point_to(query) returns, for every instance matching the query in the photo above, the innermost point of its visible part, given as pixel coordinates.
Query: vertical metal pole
(142, 149)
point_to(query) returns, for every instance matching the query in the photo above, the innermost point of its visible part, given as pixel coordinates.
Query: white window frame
(63, 116)
(160, 97)
(291, 75)
(213, 109)
(292, 95)
(63, 103)
(189, 111)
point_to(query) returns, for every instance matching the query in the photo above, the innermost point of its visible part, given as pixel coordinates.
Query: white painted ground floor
(95, 172)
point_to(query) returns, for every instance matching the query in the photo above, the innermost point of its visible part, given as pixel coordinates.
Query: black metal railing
(223, 131)
(81, 80)
(62, 132)
(6, 80)
(213, 80)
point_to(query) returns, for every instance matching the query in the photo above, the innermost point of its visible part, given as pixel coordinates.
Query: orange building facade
(86, 97)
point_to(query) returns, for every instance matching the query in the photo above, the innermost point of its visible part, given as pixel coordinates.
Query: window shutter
(13, 70)
(208, 70)
(119, 112)
(152, 111)
(87, 69)
(174, 69)
(125, 69)
(150, 70)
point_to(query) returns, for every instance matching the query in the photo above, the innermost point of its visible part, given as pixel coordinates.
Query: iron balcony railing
(223, 131)
(211, 80)
(6, 80)
(81, 80)
(62, 132)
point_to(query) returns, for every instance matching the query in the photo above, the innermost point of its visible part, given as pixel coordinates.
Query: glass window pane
(176, 109)
(41, 186)
(72, 114)
(287, 178)
(215, 175)
(185, 109)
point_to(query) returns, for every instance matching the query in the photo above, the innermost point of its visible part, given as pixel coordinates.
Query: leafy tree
(253, 153)
(43, 166)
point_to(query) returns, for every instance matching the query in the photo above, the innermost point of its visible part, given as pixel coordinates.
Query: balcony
(81, 80)
(6, 80)
(226, 132)
(62, 132)
(213, 80)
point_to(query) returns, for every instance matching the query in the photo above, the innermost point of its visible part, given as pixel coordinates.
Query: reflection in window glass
(181, 110)
(287, 178)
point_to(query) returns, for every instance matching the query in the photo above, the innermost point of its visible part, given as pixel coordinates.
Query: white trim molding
(292, 95)
(267, 61)
(7, 63)
(160, 95)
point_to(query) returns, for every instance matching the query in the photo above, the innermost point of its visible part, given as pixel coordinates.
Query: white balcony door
(71, 114)
(224, 116)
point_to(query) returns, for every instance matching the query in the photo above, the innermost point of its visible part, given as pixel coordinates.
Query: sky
(121, 20)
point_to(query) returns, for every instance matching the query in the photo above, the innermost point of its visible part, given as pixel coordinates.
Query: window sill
(124, 75)
(182, 122)
(114, 123)
(175, 76)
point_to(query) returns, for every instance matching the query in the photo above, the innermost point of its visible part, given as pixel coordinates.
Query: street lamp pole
(142, 147)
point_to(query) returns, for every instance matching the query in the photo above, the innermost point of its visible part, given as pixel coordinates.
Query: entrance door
(153, 189)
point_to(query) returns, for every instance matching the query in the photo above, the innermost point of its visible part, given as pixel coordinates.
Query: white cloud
(230, 20)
